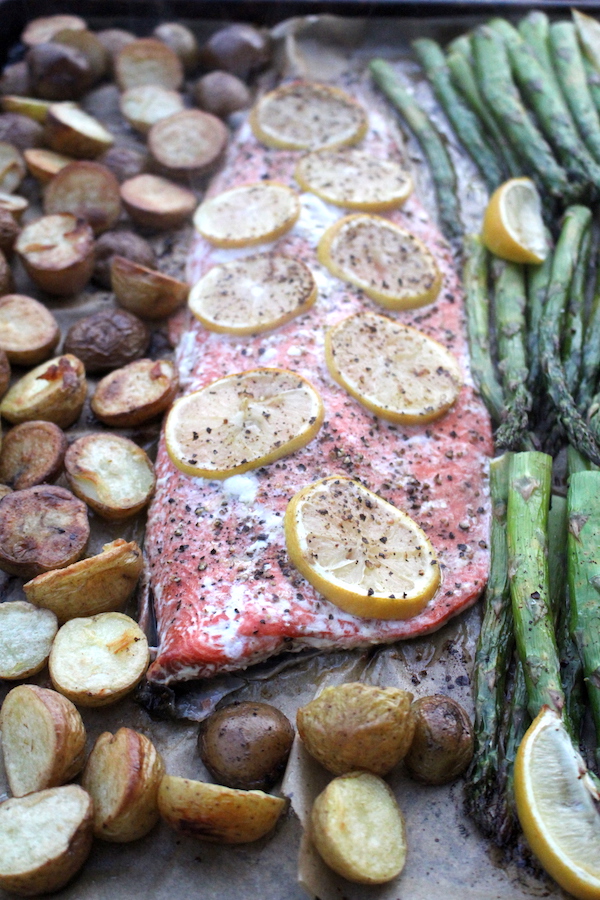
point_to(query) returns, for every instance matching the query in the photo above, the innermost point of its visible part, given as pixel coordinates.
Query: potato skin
(32, 453)
(356, 725)
(246, 745)
(107, 340)
(443, 742)
(120, 243)
(4, 373)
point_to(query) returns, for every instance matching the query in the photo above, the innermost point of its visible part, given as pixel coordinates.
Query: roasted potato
(36, 857)
(113, 40)
(26, 635)
(41, 528)
(28, 330)
(15, 205)
(187, 143)
(6, 279)
(57, 252)
(4, 373)
(354, 725)
(58, 72)
(120, 243)
(358, 828)
(88, 44)
(443, 742)
(89, 191)
(32, 107)
(182, 41)
(54, 391)
(148, 61)
(43, 739)
(107, 339)
(124, 162)
(21, 131)
(122, 775)
(32, 453)
(213, 812)
(146, 104)
(74, 132)
(246, 745)
(101, 583)
(99, 659)
(145, 292)
(44, 28)
(9, 229)
(138, 392)
(12, 167)
(112, 474)
(221, 93)
(45, 164)
(237, 48)
(15, 79)
(155, 202)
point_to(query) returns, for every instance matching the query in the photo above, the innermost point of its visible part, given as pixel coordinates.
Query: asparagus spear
(516, 724)
(509, 306)
(530, 479)
(590, 363)
(538, 279)
(442, 170)
(576, 222)
(492, 656)
(535, 31)
(475, 279)
(584, 581)
(572, 350)
(463, 121)
(571, 75)
(493, 72)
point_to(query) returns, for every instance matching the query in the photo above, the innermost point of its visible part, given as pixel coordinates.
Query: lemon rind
(366, 206)
(267, 237)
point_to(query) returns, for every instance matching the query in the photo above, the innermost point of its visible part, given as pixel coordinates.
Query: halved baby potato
(45, 838)
(4, 373)
(146, 104)
(45, 164)
(212, 812)
(99, 659)
(135, 393)
(43, 28)
(122, 775)
(41, 528)
(32, 453)
(26, 635)
(181, 40)
(101, 583)
(43, 739)
(87, 43)
(15, 204)
(54, 391)
(32, 107)
(28, 330)
(145, 292)
(112, 474)
(9, 231)
(89, 191)
(12, 167)
(187, 143)
(72, 131)
(155, 202)
(6, 278)
(57, 252)
(148, 61)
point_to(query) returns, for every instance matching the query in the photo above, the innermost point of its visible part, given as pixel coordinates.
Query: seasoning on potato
(26, 635)
(354, 725)
(246, 745)
(87, 189)
(57, 252)
(54, 391)
(443, 742)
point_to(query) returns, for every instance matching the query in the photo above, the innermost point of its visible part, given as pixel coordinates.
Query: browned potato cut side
(101, 583)
(57, 252)
(26, 635)
(112, 474)
(358, 828)
(43, 28)
(58, 72)
(221, 93)
(54, 391)
(41, 528)
(98, 660)
(12, 167)
(212, 812)
(146, 104)
(43, 739)
(32, 107)
(44, 164)
(13, 204)
(87, 43)
(356, 725)
(32, 453)
(6, 278)
(155, 202)
(113, 40)
(122, 775)
(124, 162)
(238, 48)
(188, 142)
(4, 373)
(89, 191)
(148, 294)
(121, 243)
(148, 61)
(182, 41)
(74, 132)
(36, 856)
(107, 339)
(135, 393)
(28, 330)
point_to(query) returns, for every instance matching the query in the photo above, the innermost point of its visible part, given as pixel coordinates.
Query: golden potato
(54, 391)
(443, 742)
(26, 635)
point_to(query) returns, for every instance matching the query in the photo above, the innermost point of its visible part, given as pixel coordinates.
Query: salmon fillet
(223, 591)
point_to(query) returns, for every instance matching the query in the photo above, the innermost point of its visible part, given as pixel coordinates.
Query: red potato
(155, 202)
(72, 131)
(148, 61)
(57, 252)
(144, 292)
(89, 191)
(187, 143)
(28, 330)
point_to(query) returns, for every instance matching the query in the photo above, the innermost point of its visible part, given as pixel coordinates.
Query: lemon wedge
(247, 215)
(354, 180)
(253, 294)
(588, 32)
(363, 554)
(241, 422)
(390, 265)
(305, 115)
(394, 370)
(513, 228)
(556, 803)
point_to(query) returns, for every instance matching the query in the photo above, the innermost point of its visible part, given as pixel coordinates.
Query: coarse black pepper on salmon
(224, 592)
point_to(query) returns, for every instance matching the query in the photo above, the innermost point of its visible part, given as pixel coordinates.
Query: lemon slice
(556, 802)
(394, 370)
(308, 116)
(588, 31)
(241, 422)
(365, 555)
(513, 228)
(391, 265)
(354, 180)
(254, 294)
(247, 215)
